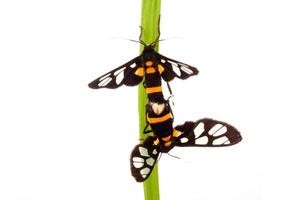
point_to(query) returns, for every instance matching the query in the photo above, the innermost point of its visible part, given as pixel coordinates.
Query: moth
(152, 67)
(202, 133)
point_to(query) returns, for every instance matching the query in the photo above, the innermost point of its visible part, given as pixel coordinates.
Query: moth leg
(145, 131)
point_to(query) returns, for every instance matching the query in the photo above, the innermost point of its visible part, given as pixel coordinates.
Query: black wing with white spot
(143, 159)
(173, 68)
(208, 133)
(125, 74)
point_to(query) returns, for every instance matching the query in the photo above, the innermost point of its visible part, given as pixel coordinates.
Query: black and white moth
(151, 67)
(202, 133)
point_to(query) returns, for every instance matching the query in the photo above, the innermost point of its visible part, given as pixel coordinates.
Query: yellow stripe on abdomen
(151, 90)
(154, 120)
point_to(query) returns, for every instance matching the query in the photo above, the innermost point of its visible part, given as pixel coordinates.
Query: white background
(61, 140)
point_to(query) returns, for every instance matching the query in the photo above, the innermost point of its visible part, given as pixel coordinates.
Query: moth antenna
(123, 38)
(135, 41)
(171, 38)
(155, 42)
(140, 38)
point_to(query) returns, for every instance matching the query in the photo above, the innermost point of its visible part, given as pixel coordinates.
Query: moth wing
(207, 133)
(173, 68)
(143, 159)
(123, 75)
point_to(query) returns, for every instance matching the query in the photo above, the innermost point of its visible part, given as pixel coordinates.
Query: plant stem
(149, 23)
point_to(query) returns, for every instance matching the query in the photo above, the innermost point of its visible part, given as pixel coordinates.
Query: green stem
(149, 23)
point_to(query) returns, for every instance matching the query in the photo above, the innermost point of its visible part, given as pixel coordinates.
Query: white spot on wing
(163, 60)
(150, 161)
(221, 140)
(203, 140)
(176, 70)
(187, 70)
(133, 65)
(103, 77)
(143, 151)
(199, 129)
(137, 159)
(145, 171)
(118, 71)
(154, 152)
(228, 142)
(217, 130)
(173, 63)
(120, 77)
(184, 140)
(138, 164)
(104, 82)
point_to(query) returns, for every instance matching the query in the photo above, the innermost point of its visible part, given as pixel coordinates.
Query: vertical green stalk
(149, 23)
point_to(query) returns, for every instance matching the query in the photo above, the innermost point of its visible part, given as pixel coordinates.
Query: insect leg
(147, 131)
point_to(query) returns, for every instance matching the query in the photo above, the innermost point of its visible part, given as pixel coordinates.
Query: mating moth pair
(153, 68)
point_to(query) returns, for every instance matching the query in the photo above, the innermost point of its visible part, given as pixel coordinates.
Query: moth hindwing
(208, 133)
(143, 159)
(175, 68)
